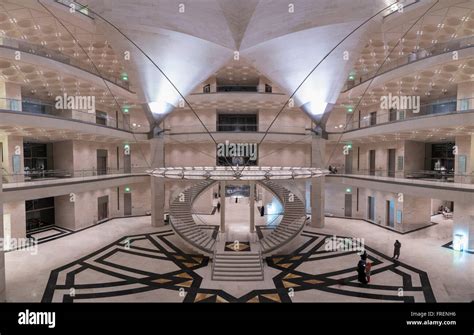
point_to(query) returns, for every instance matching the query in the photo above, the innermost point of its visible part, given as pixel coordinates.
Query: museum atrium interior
(237, 151)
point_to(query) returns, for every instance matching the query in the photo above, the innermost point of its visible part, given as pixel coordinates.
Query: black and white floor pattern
(49, 233)
(149, 267)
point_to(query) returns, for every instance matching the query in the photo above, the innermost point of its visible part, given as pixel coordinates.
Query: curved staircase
(183, 223)
(294, 218)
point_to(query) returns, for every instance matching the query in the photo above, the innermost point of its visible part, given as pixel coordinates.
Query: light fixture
(237, 173)
(458, 242)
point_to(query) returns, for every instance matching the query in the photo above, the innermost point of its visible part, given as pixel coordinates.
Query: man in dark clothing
(361, 275)
(218, 206)
(262, 211)
(396, 249)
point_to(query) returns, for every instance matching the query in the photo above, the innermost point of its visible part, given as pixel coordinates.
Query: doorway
(391, 162)
(348, 163)
(371, 209)
(127, 203)
(373, 118)
(102, 208)
(372, 162)
(348, 205)
(127, 163)
(390, 217)
(101, 161)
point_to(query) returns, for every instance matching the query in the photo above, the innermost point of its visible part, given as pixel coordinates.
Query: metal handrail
(438, 49)
(424, 112)
(466, 178)
(43, 51)
(48, 109)
(59, 174)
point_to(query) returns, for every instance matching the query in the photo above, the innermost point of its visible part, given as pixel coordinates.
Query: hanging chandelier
(237, 173)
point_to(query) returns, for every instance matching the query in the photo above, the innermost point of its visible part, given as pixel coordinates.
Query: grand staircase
(294, 218)
(237, 266)
(183, 223)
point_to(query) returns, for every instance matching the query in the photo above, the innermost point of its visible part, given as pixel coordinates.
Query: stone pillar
(464, 221)
(157, 184)
(318, 151)
(213, 83)
(464, 96)
(464, 164)
(252, 207)
(2, 252)
(222, 200)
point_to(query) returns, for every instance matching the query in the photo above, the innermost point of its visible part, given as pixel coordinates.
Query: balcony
(42, 51)
(42, 177)
(233, 132)
(38, 107)
(448, 113)
(392, 64)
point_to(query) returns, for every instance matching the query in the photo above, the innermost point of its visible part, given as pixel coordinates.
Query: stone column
(252, 207)
(157, 184)
(2, 252)
(464, 164)
(464, 221)
(318, 150)
(222, 200)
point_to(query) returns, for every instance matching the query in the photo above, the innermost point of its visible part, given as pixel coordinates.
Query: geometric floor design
(49, 233)
(391, 280)
(149, 267)
(237, 246)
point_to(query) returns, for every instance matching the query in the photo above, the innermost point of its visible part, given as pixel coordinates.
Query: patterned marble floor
(48, 233)
(150, 267)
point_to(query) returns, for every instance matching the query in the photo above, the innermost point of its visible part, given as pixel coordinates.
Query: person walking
(218, 206)
(396, 249)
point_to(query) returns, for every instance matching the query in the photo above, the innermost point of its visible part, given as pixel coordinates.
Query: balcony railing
(444, 107)
(414, 56)
(441, 176)
(34, 106)
(43, 51)
(237, 88)
(237, 128)
(79, 175)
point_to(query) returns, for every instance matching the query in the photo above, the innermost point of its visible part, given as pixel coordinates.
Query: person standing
(218, 206)
(361, 271)
(396, 249)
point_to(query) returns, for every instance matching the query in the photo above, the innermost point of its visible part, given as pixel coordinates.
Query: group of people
(364, 267)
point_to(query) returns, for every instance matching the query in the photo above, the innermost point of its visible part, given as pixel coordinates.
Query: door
(348, 205)
(126, 122)
(348, 163)
(371, 208)
(127, 163)
(372, 162)
(101, 162)
(102, 208)
(391, 162)
(373, 118)
(127, 203)
(392, 116)
(390, 217)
